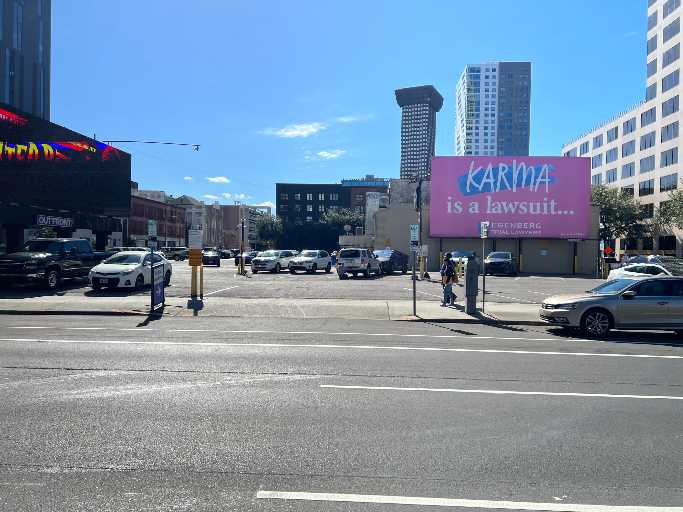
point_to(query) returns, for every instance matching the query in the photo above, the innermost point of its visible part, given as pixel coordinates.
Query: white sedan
(128, 269)
(638, 270)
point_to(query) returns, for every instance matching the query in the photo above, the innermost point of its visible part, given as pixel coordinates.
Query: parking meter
(471, 285)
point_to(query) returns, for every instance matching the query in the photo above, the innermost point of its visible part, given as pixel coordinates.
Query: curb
(488, 321)
(67, 312)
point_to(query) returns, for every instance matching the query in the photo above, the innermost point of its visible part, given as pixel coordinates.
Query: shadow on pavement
(153, 316)
(196, 305)
(27, 291)
(667, 339)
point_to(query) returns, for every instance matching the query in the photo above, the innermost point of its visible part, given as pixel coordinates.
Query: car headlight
(127, 272)
(564, 306)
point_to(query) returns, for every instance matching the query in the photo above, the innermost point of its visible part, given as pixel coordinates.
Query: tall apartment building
(637, 150)
(419, 106)
(492, 109)
(25, 30)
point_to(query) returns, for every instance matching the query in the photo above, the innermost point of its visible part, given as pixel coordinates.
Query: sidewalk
(496, 313)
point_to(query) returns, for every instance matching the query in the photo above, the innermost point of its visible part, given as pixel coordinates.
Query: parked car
(639, 270)
(356, 261)
(128, 269)
(210, 256)
(461, 256)
(623, 303)
(500, 262)
(175, 253)
(226, 254)
(271, 261)
(133, 248)
(49, 260)
(311, 261)
(391, 260)
(247, 256)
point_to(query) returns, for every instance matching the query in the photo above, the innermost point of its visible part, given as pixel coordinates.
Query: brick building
(169, 219)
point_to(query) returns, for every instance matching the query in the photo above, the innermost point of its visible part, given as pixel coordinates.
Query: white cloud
(236, 197)
(331, 154)
(266, 203)
(352, 119)
(210, 196)
(219, 179)
(227, 195)
(295, 130)
(187, 178)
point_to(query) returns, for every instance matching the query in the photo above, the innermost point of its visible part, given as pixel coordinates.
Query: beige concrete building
(638, 150)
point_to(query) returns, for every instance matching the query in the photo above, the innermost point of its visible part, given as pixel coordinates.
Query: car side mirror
(629, 294)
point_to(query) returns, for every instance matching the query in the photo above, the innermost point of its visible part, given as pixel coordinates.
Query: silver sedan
(625, 303)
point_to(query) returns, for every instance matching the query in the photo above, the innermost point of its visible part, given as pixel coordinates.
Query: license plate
(104, 281)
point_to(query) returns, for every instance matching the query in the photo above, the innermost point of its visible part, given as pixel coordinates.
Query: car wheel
(366, 272)
(328, 268)
(97, 287)
(292, 271)
(218, 263)
(404, 269)
(314, 268)
(342, 275)
(277, 268)
(596, 322)
(139, 282)
(52, 279)
(254, 271)
(389, 268)
(354, 274)
(167, 279)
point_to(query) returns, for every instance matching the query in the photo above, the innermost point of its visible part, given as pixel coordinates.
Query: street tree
(621, 215)
(343, 217)
(268, 229)
(668, 215)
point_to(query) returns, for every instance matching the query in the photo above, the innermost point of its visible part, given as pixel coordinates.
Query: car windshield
(385, 253)
(460, 254)
(43, 246)
(269, 254)
(500, 255)
(613, 287)
(124, 259)
(349, 253)
(309, 254)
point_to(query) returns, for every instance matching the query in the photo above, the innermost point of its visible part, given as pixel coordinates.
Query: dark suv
(391, 260)
(49, 260)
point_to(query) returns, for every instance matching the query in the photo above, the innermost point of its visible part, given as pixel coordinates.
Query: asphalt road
(237, 414)
(223, 282)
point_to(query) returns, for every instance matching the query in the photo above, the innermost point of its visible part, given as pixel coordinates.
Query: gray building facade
(493, 109)
(419, 106)
(25, 53)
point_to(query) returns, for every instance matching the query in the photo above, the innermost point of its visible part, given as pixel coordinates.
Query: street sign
(151, 227)
(195, 257)
(484, 229)
(194, 238)
(157, 286)
(414, 232)
(608, 250)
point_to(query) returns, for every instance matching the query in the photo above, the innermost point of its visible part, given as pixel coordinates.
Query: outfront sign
(157, 286)
(57, 222)
(521, 197)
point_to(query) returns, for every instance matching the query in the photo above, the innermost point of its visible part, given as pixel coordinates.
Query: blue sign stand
(157, 280)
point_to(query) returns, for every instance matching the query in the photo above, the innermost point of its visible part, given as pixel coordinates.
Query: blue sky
(304, 91)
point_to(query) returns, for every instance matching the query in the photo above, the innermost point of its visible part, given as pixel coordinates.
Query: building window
(309, 218)
(648, 140)
(309, 197)
(584, 148)
(670, 80)
(628, 148)
(670, 131)
(646, 188)
(596, 161)
(628, 170)
(651, 92)
(283, 207)
(671, 55)
(612, 154)
(334, 196)
(321, 197)
(647, 210)
(297, 207)
(670, 106)
(668, 182)
(652, 44)
(284, 196)
(597, 141)
(647, 164)
(321, 207)
(649, 116)
(596, 179)
(652, 21)
(17, 26)
(671, 30)
(669, 157)
(611, 176)
(651, 67)
(612, 134)
(570, 153)
(309, 207)
(629, 125)
(669, 7)
(627, 190)
(297, 197)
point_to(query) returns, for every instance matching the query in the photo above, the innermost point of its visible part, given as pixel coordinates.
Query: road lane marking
(334, 346)
(221, 290)
(501, 392)
(456, 502)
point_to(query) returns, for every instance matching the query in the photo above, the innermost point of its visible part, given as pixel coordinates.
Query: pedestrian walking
(447, 273)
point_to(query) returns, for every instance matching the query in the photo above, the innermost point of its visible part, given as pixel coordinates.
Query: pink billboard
(521, 197)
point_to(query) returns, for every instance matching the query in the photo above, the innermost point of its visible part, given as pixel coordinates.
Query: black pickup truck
(49, 260)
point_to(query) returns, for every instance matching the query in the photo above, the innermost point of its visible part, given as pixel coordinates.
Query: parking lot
(223, 281)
